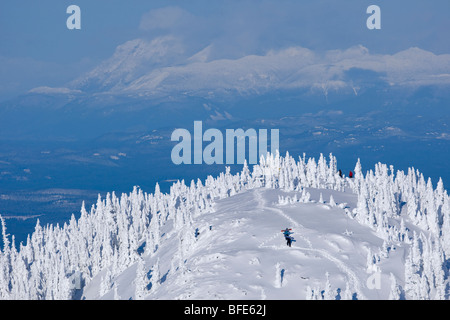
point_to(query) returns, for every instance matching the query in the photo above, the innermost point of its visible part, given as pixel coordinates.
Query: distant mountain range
(161, 66)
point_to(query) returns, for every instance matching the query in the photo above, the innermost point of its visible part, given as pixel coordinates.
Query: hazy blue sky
(37, 48)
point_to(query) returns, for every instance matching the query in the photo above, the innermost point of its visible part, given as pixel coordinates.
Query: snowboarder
(286, 231)
(287, 235)
(350, 175)
(340, 173)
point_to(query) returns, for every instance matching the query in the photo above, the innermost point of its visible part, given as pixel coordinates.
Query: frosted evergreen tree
(322, 172)
(309, 293)
(347, 294)
(446, 226)
(403, 233)
(332, 202)
(141, 280)
(358, 179)
(278, 280)
(432, 210)
(424, 288)
(416, 254)
(437, 264)
(63, 289)
(409, 274)
(116, 292)
(106, 283)
(328, 292)
(385, 249)
(395, 292)
(156, 275)
(332, 172)
(313, 293)
(321, 198)
(362, 208)
(370, 262)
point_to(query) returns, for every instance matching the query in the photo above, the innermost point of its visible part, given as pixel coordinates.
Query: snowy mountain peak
(375, 236)
(130, 61)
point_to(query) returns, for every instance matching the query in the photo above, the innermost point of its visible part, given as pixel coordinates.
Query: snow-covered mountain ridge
(163, 66)
(377, 236)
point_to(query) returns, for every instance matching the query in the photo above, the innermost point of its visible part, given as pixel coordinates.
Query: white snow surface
(244, 254)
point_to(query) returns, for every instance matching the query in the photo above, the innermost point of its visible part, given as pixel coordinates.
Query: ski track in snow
(352, 278)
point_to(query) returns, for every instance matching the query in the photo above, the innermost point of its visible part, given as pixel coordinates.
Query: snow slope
(244, 254)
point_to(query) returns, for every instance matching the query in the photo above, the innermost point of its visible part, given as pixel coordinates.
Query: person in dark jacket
(340, 173)
(289, 240)
(287, 235)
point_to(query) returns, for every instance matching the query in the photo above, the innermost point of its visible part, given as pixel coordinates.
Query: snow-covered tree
(156, 275)
(347, 294)
(328, 293)
(395, 293)
(106, 283)
(141, 280)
